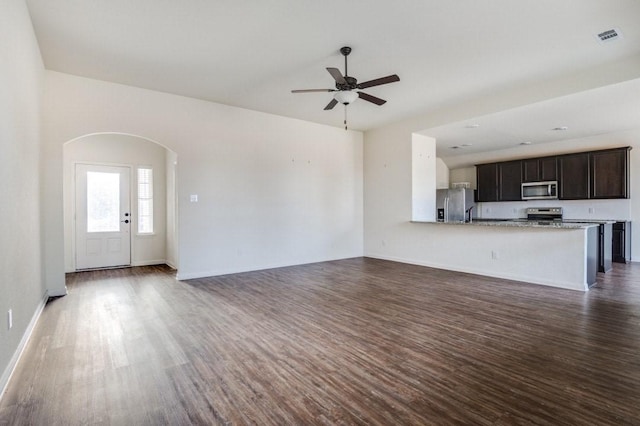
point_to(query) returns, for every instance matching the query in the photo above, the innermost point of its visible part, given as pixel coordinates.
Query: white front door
(103, 217)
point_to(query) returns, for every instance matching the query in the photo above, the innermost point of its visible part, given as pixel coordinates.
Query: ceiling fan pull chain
(345, 116)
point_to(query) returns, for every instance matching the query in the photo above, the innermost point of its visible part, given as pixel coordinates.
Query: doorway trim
(171, 206)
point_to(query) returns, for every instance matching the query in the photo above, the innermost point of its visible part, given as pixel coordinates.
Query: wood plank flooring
(357, 341)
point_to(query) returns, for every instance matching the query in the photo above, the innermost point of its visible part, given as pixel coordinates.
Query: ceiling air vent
(609, 35)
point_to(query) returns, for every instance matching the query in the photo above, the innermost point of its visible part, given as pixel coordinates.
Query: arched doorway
(152, 232)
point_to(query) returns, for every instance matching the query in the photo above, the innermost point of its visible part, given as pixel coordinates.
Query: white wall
(21, 284)
(124, 150)
(442, 174)
(272, 191)
(467, 174)
(423, 168)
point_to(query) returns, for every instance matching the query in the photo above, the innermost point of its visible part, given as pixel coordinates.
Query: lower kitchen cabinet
(605, 251)
(621, 247)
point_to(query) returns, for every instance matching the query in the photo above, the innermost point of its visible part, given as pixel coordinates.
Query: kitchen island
(559, 254)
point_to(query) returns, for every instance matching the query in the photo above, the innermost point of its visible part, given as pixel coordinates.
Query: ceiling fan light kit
(345, 97)
(346, 86)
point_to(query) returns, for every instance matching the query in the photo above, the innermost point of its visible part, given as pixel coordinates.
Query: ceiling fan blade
(372, 99)
(379, 81)
(312, 90)
(337, 75)
(331, 104)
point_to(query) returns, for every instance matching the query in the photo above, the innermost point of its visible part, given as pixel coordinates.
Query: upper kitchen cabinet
(581, 176)
(510, 181)
(539, 169)
(574, 176)
(487, 182)
(609, 172)
(499, 181)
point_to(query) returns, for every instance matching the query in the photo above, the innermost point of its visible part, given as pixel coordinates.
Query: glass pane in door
(103, 202)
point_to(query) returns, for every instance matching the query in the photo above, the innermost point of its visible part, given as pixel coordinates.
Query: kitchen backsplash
(572, 209)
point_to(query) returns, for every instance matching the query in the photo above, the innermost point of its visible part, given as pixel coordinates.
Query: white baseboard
(8, 372)
(505, 276)
(182, 276)
(149, 262)
(57, 292)
(133, 263)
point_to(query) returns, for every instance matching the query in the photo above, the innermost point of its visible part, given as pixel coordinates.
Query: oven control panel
(544, 213)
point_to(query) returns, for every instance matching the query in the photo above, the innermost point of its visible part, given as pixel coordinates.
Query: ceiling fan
(346, 87)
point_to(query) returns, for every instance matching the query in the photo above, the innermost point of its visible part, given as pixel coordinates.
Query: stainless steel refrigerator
(454, 205)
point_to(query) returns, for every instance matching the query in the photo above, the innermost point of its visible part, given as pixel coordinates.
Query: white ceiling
(604, 110)
(252, 53)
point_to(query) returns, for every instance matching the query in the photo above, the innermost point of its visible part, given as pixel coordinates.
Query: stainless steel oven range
(545, 214)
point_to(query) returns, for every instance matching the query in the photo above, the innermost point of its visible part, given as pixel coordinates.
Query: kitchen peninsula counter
(556, 254)
(520, 224)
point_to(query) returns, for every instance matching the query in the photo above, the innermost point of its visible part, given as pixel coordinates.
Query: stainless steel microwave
(540, 190)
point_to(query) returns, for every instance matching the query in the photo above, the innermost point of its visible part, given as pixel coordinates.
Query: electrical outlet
(10, 319)
(591, 210)
(494, 254)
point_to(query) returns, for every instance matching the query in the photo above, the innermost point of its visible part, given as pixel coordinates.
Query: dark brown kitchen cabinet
(609, 171)
(605, 252)
(581, 176)
(574, 176)
(510, 181)
(539, 169)
(621, 246)
(531, 170)
(487, 182)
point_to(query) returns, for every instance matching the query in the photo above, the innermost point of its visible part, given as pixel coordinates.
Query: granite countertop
(515, 223)
(605, 221)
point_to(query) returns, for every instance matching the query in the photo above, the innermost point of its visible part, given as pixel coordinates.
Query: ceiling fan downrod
(345, 52)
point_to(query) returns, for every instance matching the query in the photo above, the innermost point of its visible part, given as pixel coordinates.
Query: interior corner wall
(423, 180)
(271, 191)
(171, 210)
(22, 287)
(121, 150)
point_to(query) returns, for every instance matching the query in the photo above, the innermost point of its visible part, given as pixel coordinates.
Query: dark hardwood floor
(357, 341)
